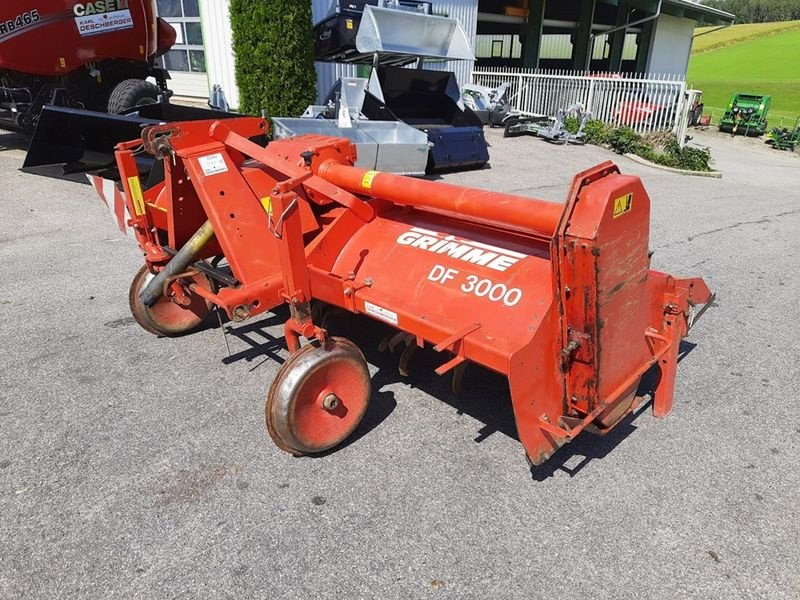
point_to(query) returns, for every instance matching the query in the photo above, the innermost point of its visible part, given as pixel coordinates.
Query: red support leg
(292, 337)
(668, 364)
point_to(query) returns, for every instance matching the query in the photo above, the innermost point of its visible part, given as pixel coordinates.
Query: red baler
(88, 55)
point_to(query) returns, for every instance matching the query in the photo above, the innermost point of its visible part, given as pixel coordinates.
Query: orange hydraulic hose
(504, 210)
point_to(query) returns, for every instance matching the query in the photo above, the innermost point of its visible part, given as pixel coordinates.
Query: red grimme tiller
(558, 298)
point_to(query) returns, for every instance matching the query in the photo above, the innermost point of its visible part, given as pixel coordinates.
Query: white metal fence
(646, 103)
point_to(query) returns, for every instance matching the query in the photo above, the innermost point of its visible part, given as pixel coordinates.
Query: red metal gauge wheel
(166, 317)
(318, 397)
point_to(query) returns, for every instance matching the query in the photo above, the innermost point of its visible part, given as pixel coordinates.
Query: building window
(556, 46)
(188, 54)
(497, 48)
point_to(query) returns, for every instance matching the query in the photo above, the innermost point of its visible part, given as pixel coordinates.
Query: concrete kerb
(642, 161)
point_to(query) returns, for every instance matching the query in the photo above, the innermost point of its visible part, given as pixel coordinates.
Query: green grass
(750, 60)
(706, 42)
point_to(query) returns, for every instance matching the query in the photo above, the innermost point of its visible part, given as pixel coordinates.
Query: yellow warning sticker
(623, 205)
(349, 23)
(267, 204)
(369, 177)
(136, 195)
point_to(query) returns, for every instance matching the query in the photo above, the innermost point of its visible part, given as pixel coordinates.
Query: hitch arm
(358, 207)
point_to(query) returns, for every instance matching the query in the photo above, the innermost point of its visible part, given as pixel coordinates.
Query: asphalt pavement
(135, 467)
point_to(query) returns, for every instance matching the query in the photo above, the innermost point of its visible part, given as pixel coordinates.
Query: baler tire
(295, 414)
(130, 94)
(148, 319)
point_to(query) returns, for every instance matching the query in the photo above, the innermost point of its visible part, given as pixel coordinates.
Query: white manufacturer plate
(212, 164)
(380, 313)
(104, 23)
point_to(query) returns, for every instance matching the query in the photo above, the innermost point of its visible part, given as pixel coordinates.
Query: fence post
(590, 99)
(681, 115)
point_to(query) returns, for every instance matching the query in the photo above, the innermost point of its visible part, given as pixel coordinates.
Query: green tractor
(782, 138)
(746, 115)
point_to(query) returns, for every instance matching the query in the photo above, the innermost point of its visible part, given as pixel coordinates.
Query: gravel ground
(137, 467)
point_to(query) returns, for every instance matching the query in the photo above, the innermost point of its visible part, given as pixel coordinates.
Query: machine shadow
(439, 175)
(484, 395)
(13, 141)
(255, 334)
(575, 456)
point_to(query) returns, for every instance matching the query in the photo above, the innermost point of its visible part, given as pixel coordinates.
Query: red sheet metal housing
(54, 37)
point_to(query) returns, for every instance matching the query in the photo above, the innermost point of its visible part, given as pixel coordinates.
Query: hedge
(273, 43)
(661, 147)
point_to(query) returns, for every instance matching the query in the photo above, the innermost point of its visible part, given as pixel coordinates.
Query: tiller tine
(400, 338)
(458, 376)
(405, 357)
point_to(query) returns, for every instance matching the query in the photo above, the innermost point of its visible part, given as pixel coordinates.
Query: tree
(759, 11)
(273, 43)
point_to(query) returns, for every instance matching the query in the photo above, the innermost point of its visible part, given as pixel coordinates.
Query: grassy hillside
(707, 42)
(759, 58)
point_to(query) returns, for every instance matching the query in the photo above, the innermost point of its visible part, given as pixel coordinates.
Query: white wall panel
(671, 45)
(218, 38)
(192, 85)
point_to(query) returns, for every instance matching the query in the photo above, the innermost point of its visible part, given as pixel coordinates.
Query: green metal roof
(690, 9)
(705, 15)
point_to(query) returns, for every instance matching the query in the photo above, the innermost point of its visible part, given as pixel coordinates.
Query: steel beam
(643, 52)
(618, 38)
(581, 48)
(533, 34)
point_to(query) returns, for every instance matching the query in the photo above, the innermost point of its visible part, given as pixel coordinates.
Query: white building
(645, 36)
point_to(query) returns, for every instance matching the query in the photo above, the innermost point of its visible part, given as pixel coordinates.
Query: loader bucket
(399, 32)
(424, 97)
(383, 145)
(430, 101)
(400, 35)
(69, 143)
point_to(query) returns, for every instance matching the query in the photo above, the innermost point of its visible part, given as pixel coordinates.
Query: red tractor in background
(93, 55)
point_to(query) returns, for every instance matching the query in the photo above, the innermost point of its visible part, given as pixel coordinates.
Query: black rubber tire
(130, 94)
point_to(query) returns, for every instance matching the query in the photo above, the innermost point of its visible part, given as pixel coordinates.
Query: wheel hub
(330, 402)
